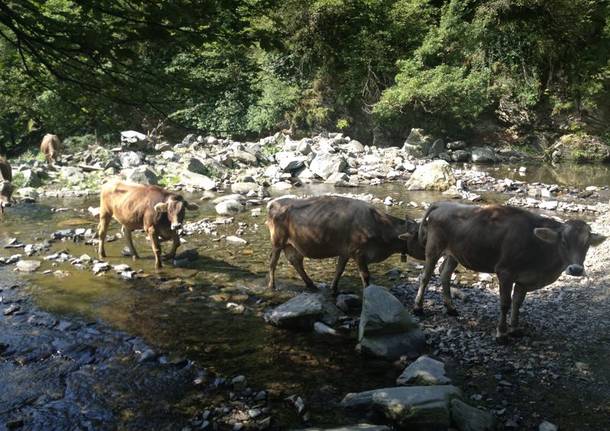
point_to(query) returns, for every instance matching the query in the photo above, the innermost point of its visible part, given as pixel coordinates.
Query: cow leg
(506, 287)
(273, 258)
(102, 228)
(365, 275)
(518, 297)
(296, 259)
(156, 247)
(432, 257)
(447, 269)
(341, 262)
(128, 238)
(175, 245)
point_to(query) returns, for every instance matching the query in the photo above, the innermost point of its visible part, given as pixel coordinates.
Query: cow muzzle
(575, 270)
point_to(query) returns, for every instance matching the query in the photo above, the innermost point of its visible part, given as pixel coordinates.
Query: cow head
(175, 206)
(6, 191)
(572, 240)
(410, 238)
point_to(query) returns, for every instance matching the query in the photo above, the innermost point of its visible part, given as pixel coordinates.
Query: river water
(184, 311)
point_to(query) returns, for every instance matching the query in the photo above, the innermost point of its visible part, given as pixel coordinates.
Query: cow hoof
(418, 311)
(452, 312)
(502, 339)
(517, 332)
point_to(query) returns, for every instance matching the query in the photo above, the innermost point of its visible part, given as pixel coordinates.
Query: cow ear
(596, 239)
(192, 207)
(546, 234)
(405, 236)
(161, 207)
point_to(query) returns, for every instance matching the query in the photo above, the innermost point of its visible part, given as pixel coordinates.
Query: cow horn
(596, 239)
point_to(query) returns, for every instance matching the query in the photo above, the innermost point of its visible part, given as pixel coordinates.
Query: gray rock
(304, 147)
(417, 143)
(141, 175)
(236, 240)
(354, 146)
(244, 157)
(131, 137)
(456, 145)
(433, 176)
(229, 207)
(325, 164)
(281, 186)
(189, 139)
(130, 159)
(547, 426)
(194, 164)
(436, 148)
(170, 156)
(99, 267)
(27, 265)
(302, 311)
(424, 371)
(483, 155)
(386, 328)
(71, 175)
(31, 178)
(338, 179)
(460, 156)
(244, 188)
(468, 418)
(198, 181)
(289, 161)
(348, 302)
(163, 146)
(408, 407)
(357, 427)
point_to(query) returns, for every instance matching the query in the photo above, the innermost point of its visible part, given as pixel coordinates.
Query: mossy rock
(580, 148)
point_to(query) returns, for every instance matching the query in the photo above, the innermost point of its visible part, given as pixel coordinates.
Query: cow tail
(423, 226)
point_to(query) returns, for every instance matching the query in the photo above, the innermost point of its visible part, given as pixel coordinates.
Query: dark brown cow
(50, 147)
(136, 206)
(6, 187)
(334, 226)
(523, 249)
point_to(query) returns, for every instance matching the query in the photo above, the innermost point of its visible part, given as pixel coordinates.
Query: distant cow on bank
(333, 226)
(136, 206)
(50, 147)
(6, 186)
(522, 248)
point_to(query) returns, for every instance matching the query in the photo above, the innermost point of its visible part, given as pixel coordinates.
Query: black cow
(523, 249)
(334, 226)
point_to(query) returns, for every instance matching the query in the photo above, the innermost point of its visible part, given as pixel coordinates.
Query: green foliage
(244, 68)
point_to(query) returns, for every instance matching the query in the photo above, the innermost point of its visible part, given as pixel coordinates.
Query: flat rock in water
(433, 176)
(229, 207)
(236, 240)
(409, 407)
(27, 265)
(302, 311)
(468, 418)
(424, 371)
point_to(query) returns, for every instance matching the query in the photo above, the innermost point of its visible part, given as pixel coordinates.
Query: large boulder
(132, 137)
(408, 407)
(484, 155)
(288, 161)
(417, 143)
(28, 265)
(196, 165)
(244, 157)
(433, 176)
(198, 181)
(302, 311)
(386, 328)
(130, 159)
(229, 207)
(468, 418)
(580, 148)
(436, 148)
(244, 187)
(141, 175)
(71, 174)
(424, 371)
(31, 178)
(326, 164)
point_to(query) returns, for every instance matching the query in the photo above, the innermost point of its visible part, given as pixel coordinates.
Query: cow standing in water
(334, 226)
(6, 186)
(136, 206)
(50, 147)
(522, 248)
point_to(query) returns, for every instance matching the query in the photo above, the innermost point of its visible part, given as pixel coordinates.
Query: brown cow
(6, 187)
(136, 206)
(50, 147)
(523, 249)
(334, 226)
